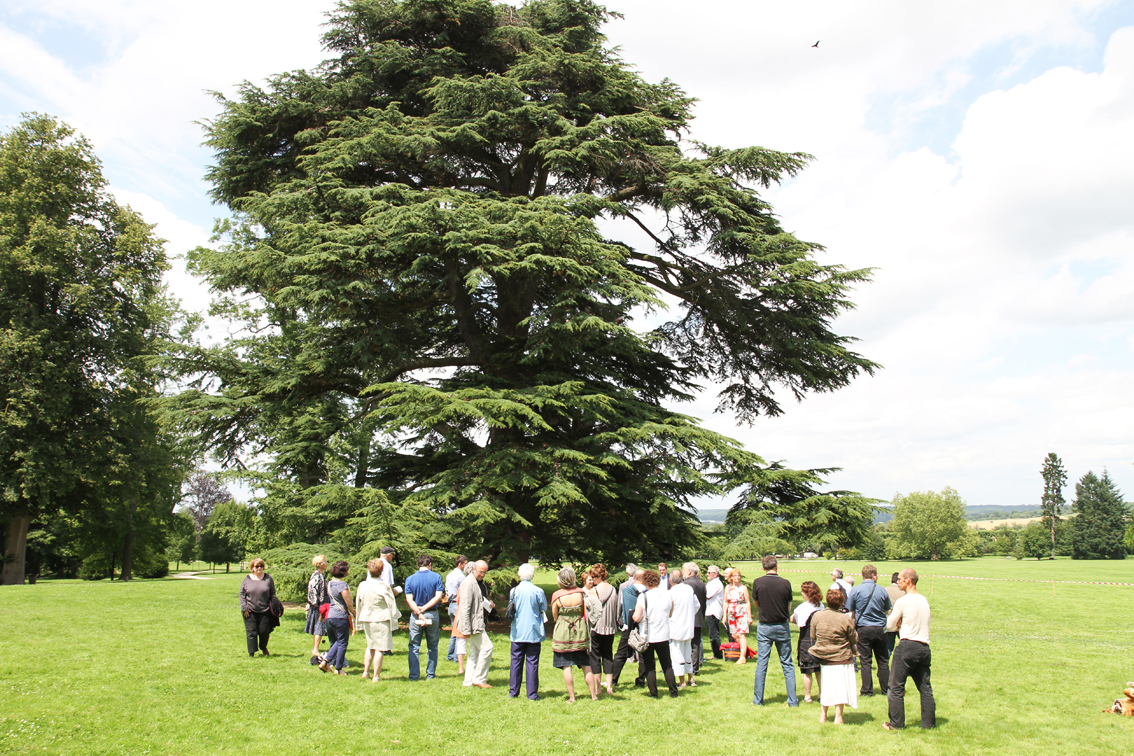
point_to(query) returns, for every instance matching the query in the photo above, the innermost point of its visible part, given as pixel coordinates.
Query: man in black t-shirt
(772, 594)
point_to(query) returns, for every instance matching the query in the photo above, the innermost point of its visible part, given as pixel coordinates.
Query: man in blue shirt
(424, 590)
(527, 633)
(869, 604)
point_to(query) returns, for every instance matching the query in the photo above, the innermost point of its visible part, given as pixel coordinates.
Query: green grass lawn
(160, 667)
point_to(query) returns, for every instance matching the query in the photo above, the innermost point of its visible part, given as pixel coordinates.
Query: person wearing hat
(387, 553)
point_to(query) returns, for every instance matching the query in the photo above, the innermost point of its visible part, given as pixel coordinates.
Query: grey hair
(527, 572)
(469, 567)
(631, 568)
(566, 578)
(837, 574)
(714, 568)
(675, 577)
(691, 568)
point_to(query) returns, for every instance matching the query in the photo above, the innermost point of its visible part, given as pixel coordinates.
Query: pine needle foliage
(1100, 523)
(421, 243)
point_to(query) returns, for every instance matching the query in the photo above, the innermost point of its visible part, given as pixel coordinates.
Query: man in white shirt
(681, 622)
(387, 554)
(910, 617)
(714, 608)
(452, 585)
(840, 584)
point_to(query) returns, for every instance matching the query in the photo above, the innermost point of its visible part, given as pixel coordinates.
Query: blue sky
(977, 154)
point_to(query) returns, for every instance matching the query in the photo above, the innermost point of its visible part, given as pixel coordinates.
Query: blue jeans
(432, 637)
(338, 633)
(452, 653)
(766, 635)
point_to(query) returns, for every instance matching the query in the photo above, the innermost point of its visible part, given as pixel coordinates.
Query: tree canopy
(785, 510)
(81, 304)
(443, 240)
(929, 525)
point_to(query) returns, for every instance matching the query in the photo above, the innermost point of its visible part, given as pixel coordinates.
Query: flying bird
(816, 43)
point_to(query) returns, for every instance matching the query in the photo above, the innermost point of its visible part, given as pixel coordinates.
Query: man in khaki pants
(471, 623)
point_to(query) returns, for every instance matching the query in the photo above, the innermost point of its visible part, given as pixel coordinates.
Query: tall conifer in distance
(448, 231)
(1100, 521)
(1051, 504)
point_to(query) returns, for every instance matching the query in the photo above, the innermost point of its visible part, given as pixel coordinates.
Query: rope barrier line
(1003, 580)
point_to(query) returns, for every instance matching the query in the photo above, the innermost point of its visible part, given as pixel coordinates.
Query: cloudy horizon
(975, 155)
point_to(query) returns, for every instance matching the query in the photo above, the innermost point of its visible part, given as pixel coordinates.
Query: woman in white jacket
(378, 617)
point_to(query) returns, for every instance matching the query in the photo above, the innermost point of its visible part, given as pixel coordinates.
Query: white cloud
(1001, 307)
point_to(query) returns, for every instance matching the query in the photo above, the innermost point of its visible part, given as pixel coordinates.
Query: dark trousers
(257, 627)
(602, 654)
(623, 655)
(698, 646)
(872, 640)
(891, 639)
(714, 625)
(911, 659)
(338, 633)
(648, 661)
(524, 655)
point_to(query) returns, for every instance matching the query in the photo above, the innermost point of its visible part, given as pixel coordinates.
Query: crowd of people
(660, 615)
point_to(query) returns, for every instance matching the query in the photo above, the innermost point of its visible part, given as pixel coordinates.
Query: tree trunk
(12, 572)
(128, 548)
(363, 469)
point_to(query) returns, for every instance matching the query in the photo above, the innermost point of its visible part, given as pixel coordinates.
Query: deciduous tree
(200, 494)
(448, 231)
(928, 524)
(81, 303)
(1032, 541)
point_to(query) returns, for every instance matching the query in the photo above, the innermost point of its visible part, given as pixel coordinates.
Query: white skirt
(838, 684)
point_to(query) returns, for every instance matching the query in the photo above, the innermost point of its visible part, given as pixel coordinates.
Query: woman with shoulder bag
(316, 598)
(571, 638)
(655, 607)
(603, 628)
(339, 624)
(256, 593)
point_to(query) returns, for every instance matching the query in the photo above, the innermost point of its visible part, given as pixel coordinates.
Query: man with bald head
(910, 617)
(471, 622)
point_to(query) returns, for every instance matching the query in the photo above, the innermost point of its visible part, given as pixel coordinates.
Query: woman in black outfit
(256, 593)
(808, 664)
